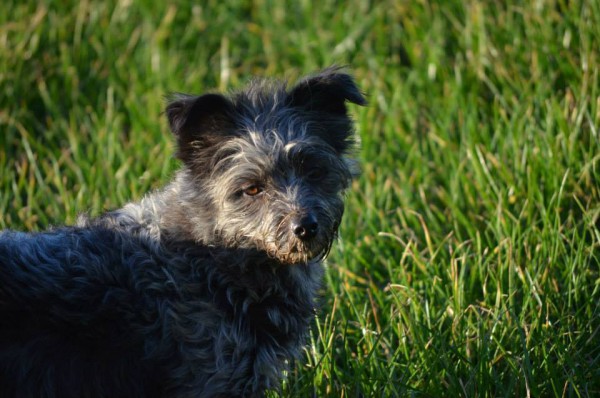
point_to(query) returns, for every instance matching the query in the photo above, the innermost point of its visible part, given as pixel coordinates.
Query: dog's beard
(283, 247)
(289, 249)
(296, 251)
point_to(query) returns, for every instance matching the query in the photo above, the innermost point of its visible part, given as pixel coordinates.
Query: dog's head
(266, 167)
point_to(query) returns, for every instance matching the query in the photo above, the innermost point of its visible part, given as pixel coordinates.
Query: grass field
(469, 257)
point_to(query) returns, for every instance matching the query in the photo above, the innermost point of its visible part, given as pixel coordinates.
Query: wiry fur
(205, 288)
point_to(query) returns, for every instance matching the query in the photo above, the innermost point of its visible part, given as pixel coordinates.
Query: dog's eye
(252, 190)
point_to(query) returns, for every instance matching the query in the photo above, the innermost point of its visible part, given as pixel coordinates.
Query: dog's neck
(170, 213)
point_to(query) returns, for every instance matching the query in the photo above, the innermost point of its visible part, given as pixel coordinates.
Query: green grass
(469, 257)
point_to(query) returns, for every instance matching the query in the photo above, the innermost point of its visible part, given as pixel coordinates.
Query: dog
(205, 288)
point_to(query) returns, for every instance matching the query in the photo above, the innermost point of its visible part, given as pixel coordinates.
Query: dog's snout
(305, 227)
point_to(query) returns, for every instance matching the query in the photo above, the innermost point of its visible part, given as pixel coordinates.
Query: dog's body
(205, 288)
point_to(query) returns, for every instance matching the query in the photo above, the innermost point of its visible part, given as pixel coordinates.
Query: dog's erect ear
(323, 98)
(327, 91)
(199, 121)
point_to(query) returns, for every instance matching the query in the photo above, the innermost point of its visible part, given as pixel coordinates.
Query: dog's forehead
(277, 125)
(268, 152)
(279, 145)
(275, 136)
(277, 129)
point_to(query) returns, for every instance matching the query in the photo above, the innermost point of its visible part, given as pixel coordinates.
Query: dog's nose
(305, 227)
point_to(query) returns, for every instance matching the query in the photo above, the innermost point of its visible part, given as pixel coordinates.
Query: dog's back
(70, 316)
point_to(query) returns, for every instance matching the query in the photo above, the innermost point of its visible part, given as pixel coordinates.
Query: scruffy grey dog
(205, 288)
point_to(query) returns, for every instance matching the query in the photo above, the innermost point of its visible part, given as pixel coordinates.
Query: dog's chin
(299, 254)
(297, 258)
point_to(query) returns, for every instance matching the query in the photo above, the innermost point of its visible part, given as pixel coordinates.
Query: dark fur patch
(322, 99)
(199, 122)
